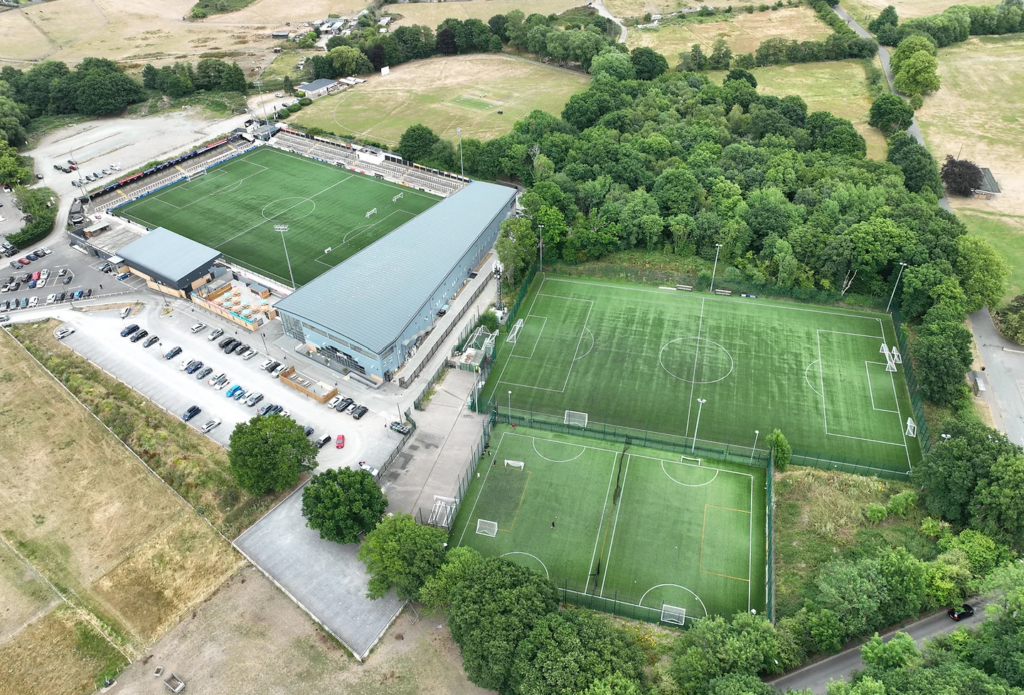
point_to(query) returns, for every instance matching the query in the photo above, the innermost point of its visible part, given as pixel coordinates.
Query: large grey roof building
(367, 313)
(168, 259)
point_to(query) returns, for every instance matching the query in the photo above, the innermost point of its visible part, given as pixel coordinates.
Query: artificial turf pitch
(685, 532)
(640, 359)
(235, 207)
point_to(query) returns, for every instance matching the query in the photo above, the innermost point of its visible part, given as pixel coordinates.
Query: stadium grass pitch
(640, 360)
(235, 207)
(637, 526)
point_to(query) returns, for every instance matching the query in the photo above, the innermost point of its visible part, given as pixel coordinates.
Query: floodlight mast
(898, 276)
(701, 401)
(284, 228)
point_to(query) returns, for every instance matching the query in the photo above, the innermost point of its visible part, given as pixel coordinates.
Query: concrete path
(883, 54)
(1004, 367)
(603, 11)
(841, 666)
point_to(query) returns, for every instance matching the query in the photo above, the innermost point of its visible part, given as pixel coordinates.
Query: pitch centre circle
(695, 360)
(288, 209)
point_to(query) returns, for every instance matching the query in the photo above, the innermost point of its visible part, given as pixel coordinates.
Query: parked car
(192, 411)
(400, 428)
(240, 394)
(78, 294)
(24, 261)
(195, 367)
(216, 333)
(31, 284)
(277, 371)
(266, 364)
(186, 363)
(241, 349)
(233, 390)
(964, 611)
(40, 283)
(334, 401)
(221, 383)
(139, 335)
(322, 441)
(230, 347)
(253, 399)
(209, 425)
(63, 332)
(67, 279)
(249, 354)
(88, 293)
(150, 341)
(274, 364)
(172, 353)
(308, 430)
(122, 277)
(60, 297)
(369, 469)
(196, 328)
(214, 379)
(343, 405)
(339, 442)
(203, 373)
(265, 409)
(128, 330)
(222, 343)
(51, 298)
(35, 276)
(359, 412)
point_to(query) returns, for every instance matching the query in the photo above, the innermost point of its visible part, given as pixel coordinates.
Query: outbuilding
(169, 262)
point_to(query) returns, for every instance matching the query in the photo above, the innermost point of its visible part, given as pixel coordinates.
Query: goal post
(673, 614)
(371, 212)
(509, 463)
(575, 418)
(911, 427)
(395, 199)
(443, 512)
(487, 528)
(514, 333)
(896, 356)
(195, 175)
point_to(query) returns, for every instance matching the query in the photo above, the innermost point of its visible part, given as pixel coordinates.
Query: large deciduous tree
(714, 647)
(960, 176)
(493, 609)
(341, 503)
(648, 63)
(982, 272)
(417, 142)
(268, 453)
(401, 554)
(918, 74)
(889, 113)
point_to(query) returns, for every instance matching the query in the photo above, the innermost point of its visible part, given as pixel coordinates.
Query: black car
(359, 412)
(202, 374)
(128, 330)
(68, 279)
(88, 293)
(224, 342)
(273, 365)
(150, 340)
(172, 353)
(60, 297)
(308, 431)
(242, 348)
(194, 367)
(345, 403)
(139, 335)
(32, 257)
(964, 611)
(192, 411)
(230, 347)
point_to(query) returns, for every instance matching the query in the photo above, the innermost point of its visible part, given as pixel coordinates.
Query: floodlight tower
(898, 276)
(462, 167)
(718, 247)
(756, 434)
(701, 401)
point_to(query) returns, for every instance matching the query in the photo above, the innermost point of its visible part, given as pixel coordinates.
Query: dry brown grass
(248, 638)
(275, 12)
(60, 654)
(744, 32)
(94, 521)
(139, 31)
(866, 10)
(23, 594)
(637, 8)
(433, 13)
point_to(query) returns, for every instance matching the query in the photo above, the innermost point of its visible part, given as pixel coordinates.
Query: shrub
(901, 504)
(294, 107)
(934, 528)
(875, 513)
(305, 101)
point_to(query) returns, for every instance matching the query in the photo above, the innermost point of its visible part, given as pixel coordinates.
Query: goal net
(395, 199)
(443, 512)
(514, 333)
(487, 528)
(371, 212)
(575, 418)
(896, 356)
(673, 614)
(911, 427)
(690, 460)
(196, 175)
(515, 464)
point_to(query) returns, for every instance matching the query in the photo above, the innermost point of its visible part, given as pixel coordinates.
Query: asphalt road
(1004, 367)
(841, 666)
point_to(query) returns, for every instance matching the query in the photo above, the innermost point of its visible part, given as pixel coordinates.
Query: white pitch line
(597, 538)
(615, 525)
(693, 377)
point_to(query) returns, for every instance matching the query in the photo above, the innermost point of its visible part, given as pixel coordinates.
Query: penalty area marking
(808, 380)
(534, 443)
(678, 586)
(593, 341)
(520, 552)
(679, 482)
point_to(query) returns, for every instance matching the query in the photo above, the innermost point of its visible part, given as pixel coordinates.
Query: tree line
(953, 25)
(182, 79)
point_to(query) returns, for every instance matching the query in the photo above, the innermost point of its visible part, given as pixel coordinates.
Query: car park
(139, 335)
(343, 405)
(128, 330)
(172, 353)
(150, 340)
(209, 425)
(214, 334)
(339, 442)
(198, 327)
(964, 611)
(192, 411)
(322, 441)
(253, 399)
(359, 412)
(203, 373)
(194, 367)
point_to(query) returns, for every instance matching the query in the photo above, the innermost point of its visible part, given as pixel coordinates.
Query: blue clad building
(366, 314)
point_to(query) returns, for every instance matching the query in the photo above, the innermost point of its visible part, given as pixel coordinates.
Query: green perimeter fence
(769, 536)
(916, 399)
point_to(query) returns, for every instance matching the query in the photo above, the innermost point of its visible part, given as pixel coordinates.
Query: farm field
(235, 207)
(839, 87)
(721, 368)
(637, 8)
(432, 13)
(865, 10)
(445, 94)
(99, 526)
(142, 31)
(743, 32)
(626, 524)
(250, 639)
(980, 108)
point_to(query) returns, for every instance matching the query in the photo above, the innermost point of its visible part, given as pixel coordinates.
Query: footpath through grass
(236, 206)
(677, 365)
(637, 526)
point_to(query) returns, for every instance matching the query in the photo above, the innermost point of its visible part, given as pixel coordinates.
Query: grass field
(235, 207)
(639, 526)
(637, 8)
(839, 87)
(866, 10)
(432, 13)
(743, 32)
(445, 93)
(640, 359)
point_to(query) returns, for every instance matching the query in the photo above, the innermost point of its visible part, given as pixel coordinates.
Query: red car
(24, 261)
(35, 275)
(340, 442)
